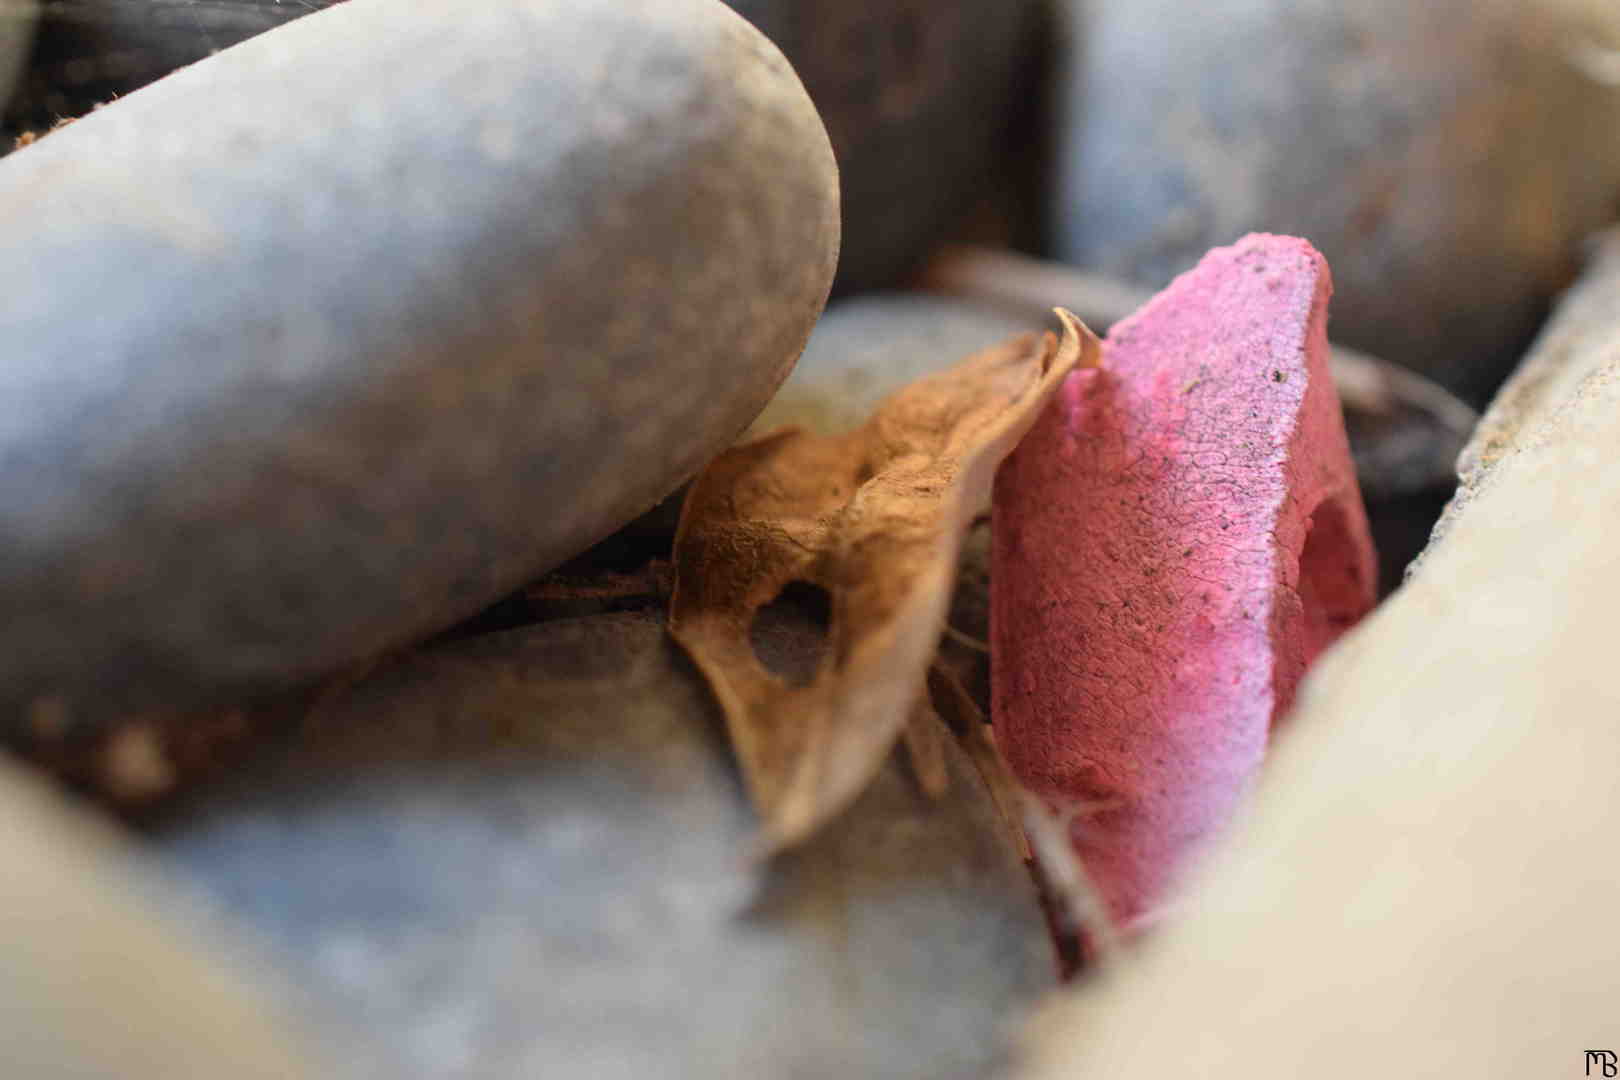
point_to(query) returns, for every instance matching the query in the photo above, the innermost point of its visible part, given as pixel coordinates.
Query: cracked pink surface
(1174, 542)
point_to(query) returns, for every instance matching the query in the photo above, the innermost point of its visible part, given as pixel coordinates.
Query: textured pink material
(1176, 539)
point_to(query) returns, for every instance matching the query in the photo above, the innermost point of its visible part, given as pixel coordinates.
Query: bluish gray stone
(528, 854)
(322, 343)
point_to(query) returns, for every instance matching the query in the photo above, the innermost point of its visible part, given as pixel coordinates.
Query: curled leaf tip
(1075, 331)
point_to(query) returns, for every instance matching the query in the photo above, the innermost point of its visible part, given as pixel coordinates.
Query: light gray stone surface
(331, 339)
(527, 854)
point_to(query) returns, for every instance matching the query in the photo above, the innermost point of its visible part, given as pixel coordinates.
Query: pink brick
(1178, 537)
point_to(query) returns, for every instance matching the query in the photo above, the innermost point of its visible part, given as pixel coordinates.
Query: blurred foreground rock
(527, 854)
(97, 979)
(1425, 885)
(330, 340)
(1446, 157)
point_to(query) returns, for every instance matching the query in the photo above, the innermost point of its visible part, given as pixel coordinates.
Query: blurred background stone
(926, 101)
(16, 43)
(528, 854)
(1447, 157)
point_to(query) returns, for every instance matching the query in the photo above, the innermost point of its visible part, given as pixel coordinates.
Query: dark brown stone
(919, 97)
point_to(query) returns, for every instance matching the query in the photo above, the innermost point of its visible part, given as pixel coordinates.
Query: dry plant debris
(874, 518)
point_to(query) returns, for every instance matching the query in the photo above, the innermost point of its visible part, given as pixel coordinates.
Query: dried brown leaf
(875, 517)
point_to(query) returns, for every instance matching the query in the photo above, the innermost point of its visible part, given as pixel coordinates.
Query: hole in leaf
(791, 633)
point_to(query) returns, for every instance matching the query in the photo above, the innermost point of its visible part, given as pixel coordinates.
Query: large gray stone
(1447, 157)
(527, 854)
(331, 339)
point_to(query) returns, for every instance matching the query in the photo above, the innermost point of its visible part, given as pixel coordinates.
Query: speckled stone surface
(1447, 157)
(526, 855)
(327, 341)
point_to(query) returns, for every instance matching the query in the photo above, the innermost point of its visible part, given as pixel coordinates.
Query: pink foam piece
(1174, 542)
